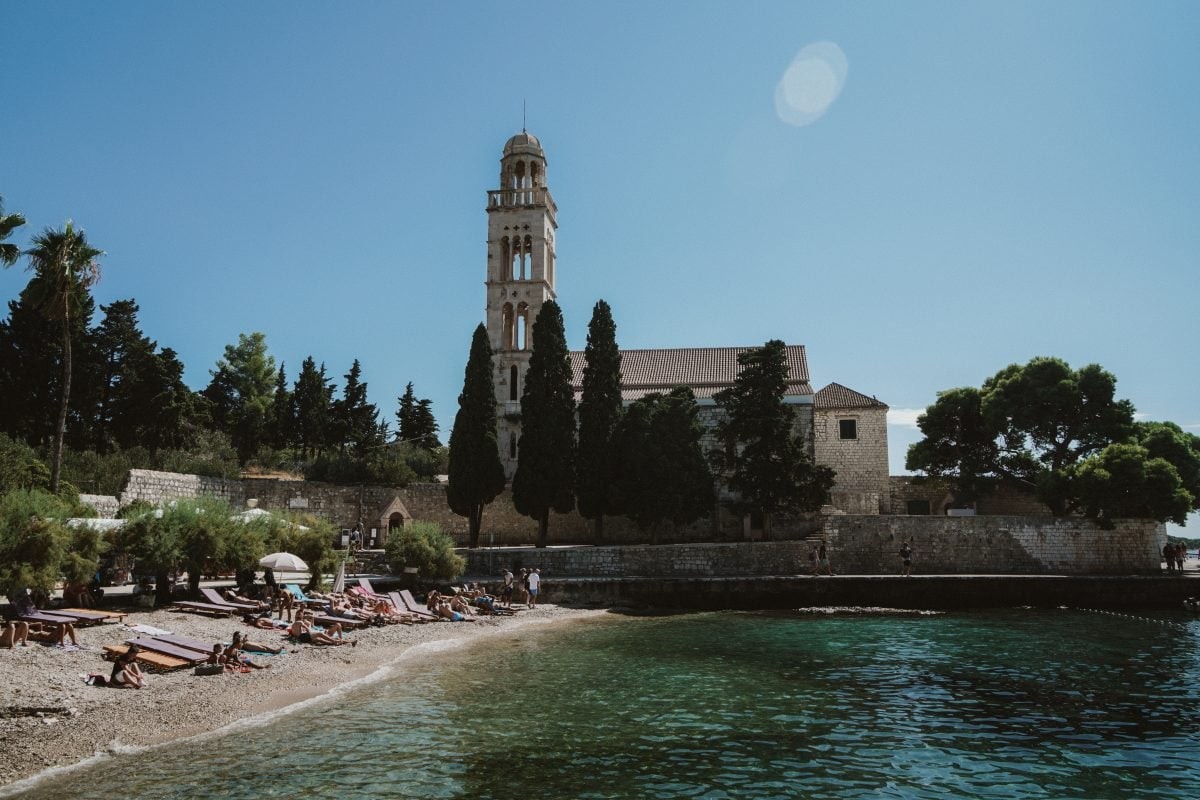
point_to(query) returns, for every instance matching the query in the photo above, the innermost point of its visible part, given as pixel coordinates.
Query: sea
(810, 703)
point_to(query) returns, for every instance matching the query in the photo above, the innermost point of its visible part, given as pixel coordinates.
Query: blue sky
(982, 183)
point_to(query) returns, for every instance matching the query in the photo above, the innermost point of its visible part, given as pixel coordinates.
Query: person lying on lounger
(235, 658)
(241, 642)
(302, 631)
(444, 611)
(126, 674)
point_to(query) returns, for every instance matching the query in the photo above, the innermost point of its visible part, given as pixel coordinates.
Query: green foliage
(1030, 424)
(33, 540)
(1124, 480)
(82, 553)
(599, 413)
(8, 223)
(545, 474)
(355, 421)
(20, 468)
(312, 396)
(242, 392)
(309, 537)
(475, 472)
(65, 267)
(415, 422)
(1168, 441)
(425, 546)
(661, 474)
(766, 467)
(959, 445)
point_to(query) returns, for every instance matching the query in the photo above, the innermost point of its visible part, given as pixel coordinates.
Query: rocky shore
(49, 716)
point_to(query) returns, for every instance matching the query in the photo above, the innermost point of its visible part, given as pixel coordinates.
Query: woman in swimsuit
(126, 672)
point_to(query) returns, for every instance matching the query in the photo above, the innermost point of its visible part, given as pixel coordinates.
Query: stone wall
(106, 506)
(1004, 500)
(867, 544)
(861, 463)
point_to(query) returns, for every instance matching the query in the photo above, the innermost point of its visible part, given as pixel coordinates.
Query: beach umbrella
(339, 582)
(283, 562)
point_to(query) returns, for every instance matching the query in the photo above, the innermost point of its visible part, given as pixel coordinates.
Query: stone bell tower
(520, 276)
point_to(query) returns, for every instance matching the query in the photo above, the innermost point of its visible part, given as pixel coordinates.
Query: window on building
(512, 445)
(513, 393)
(918, 508)
(847, 429)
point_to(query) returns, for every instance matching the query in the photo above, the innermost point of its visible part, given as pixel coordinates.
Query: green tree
(356, 420)
(313, 395)
(959, 447)
(599, 413)
(662, 475)
(476, 475)
(283, 412)
(20, 468)
(415, 420)
(242, 390)
(33, 540)
(9, 253)
(546, 455)
(424, 546)
(1180, 449)
(1124, 480)
(765, 463)
(65, 267)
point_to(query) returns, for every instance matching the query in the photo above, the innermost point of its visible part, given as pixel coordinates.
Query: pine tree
(765, 463)
(546, 454)
(416, 423)
(242, 392)
(312, 395)
(356, 419)
(283, 412)
(599, 413)
(476, 473)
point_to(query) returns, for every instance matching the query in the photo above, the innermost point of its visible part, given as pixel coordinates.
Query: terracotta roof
(706, 370)
(837, 396)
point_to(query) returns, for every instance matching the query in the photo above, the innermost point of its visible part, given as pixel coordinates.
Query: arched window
(513, 394)
(522, 333)
(527, 258)
(507, 327)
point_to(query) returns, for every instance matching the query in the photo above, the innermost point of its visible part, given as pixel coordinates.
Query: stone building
(842, 428)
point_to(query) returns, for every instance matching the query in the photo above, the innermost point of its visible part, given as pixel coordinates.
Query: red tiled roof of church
(837, 396)
(706, 370)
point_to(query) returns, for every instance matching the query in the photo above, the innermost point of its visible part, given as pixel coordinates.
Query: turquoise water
(1014, 704)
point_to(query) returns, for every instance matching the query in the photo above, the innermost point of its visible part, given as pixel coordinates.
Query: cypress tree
(546, 454)
(475, 472)
(599, 413)
(766, 466)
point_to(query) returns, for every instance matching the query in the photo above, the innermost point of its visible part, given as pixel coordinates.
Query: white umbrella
(339, 582)
(283, 562)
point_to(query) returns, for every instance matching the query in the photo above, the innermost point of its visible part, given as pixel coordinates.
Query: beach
(50, 718)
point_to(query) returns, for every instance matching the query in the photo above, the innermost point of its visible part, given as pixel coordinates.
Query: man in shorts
(535, 584)
(507, 590)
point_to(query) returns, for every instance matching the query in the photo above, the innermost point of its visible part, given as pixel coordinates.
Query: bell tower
(520, 276)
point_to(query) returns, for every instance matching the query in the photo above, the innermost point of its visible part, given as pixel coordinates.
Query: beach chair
(194, 607)
(301, 597)
(214, 597)
(98, 616)
(413, 606)
(422, 614)
(185, 643)
(156, 645)
(156, 662)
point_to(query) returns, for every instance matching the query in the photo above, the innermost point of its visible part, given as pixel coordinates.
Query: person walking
(535, 585)
(823, 561)
(906, 558)
(506, 591)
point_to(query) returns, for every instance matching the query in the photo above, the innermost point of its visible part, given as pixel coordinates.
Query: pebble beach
(51, 718)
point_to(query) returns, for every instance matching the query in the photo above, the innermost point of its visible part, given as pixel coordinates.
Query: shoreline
(79, 724)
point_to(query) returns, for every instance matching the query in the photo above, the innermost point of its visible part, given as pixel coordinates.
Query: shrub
(33, 540)
(20, 467)
(427, 547)
(311, 538)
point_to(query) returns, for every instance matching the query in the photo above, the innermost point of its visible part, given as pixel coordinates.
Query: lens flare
(810, 84)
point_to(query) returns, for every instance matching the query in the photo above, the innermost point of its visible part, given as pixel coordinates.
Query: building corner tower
(520, 277)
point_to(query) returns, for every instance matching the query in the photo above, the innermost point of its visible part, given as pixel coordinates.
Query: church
(842, 428)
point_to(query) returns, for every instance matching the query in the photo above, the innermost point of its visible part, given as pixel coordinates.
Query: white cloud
(810, 84)
(904, 417)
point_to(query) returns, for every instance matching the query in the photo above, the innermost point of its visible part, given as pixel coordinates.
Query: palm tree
(64, 267)
(8, 252)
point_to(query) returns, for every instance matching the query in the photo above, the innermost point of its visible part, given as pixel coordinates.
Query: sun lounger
(422, 614)
(185, 642)
(326, 620)
(167, 649)
(299, 594)
(205, 608)
(157, 662)
(410, 604)
(214, 597)
(90, 613)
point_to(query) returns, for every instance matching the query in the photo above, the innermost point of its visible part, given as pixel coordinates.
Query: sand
(50, 718)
